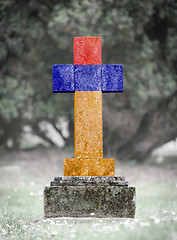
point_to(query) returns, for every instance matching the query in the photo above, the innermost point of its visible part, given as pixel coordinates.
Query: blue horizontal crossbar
(87, 77)
(70, 78)
(63, 78)
(112, 78)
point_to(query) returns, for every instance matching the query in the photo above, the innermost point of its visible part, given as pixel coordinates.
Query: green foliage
(15, 95)
(123, 27)
(36, 34)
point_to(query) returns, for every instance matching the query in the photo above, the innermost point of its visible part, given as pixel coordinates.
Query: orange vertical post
(88, 127)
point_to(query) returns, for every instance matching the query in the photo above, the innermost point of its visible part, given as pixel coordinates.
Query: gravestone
(89, 187)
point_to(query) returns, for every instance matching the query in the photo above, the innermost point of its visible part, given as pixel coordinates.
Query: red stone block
(87, 51)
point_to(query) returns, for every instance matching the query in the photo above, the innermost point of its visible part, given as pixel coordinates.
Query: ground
(23, 176)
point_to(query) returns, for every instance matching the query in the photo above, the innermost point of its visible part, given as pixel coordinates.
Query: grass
(21, 206)
(21, 216)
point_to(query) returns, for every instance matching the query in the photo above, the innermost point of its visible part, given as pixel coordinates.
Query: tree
(141, 35)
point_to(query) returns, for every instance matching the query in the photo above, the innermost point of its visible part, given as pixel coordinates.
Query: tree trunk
(156, 127)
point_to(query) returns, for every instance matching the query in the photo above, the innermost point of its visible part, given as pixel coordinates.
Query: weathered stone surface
(88, 129)
(112, 78)
(87, 77)
(84, 181)
(87, 50)
(89, 167)
(89, 197)
(63, 78)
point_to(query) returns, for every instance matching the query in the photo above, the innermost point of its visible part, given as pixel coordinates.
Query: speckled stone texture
(87, 77)
(63, 78)
(71, 78)
(87, 50)
(89, 167)
(89, 197)
(88, 124)
(112, 78)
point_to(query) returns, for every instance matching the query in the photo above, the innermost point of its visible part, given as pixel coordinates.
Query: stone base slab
(105, 197)
(89, 167)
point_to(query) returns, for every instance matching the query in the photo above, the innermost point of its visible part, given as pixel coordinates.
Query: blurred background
(141, 35)
(37, 126)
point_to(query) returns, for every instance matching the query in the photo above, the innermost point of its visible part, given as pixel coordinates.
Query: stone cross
(88, 78)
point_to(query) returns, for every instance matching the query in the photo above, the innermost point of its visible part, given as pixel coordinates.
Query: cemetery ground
(24, 174)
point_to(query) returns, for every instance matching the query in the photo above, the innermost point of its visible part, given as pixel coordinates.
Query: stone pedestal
(103, 197)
